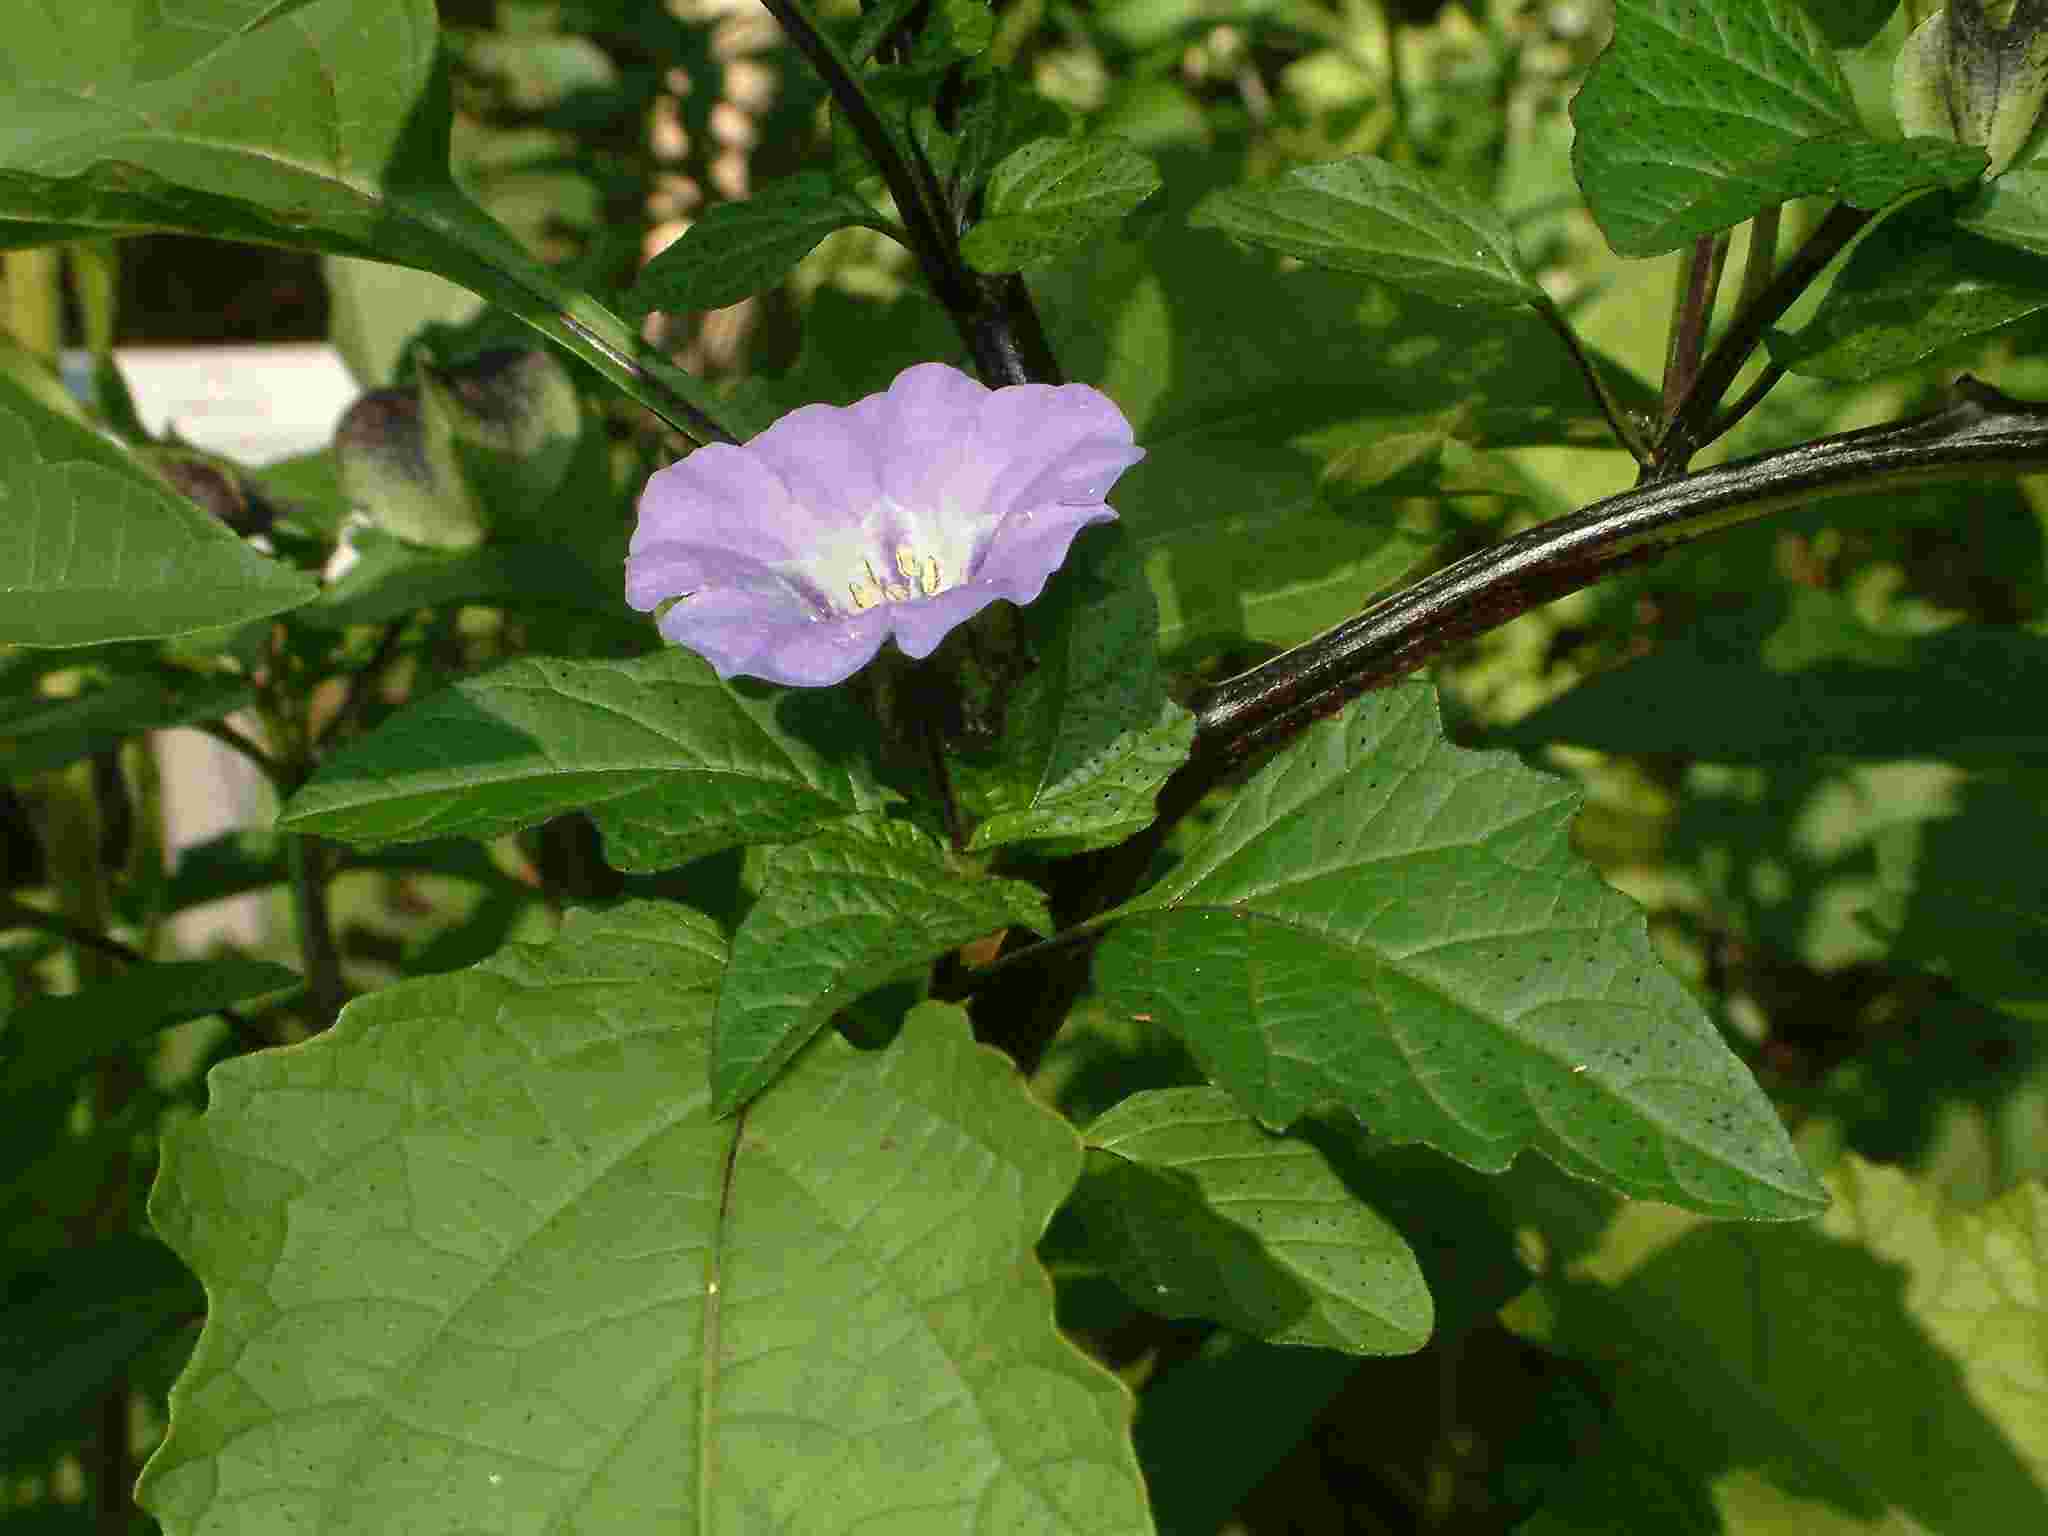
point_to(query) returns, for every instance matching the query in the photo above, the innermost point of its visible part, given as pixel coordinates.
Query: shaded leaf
(320, 125)
(1246, 387)
(839, 914)
(1373, 217)
(1880, 1369)
(1199, 1212)
(94, 548)
(1702, 113)
(38, 732)
(393, 579)
(481, 1257)
(1810, 681)
(1051, 196)
(71, 1325)
(1966, 895)
(1913, 285)
(1383, 921)
(737, 249)
(671, 762)
(50, 1039)
(1089, 734)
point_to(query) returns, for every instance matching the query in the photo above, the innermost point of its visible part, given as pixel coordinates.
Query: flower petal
(1042, 429)
(751, 633)
(827, 458)
(1028, 548)
(794, 557)
(718, 494)
(657, 572)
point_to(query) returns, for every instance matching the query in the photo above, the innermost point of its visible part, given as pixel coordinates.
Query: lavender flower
(902, 515)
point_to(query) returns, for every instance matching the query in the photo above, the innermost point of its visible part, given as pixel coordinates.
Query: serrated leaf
(1702, 113)
(1199, 1212)
(671, 762)
(320, 125)
(737, 249)
(1052, 196)
(1387, 922)
(94, 548)
(481, 1258)
(838, 915)
(38, 733)
(1089, 734)
(1371, 216)
(51, 1038)
(1880, 1369)
(1912, 287)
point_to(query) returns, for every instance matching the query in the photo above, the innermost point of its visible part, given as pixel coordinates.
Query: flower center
(916, 576)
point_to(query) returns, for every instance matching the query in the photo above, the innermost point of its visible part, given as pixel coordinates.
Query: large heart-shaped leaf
(1384, 921)
(321, 124)
(671, 762)
(94, 548)
(481, 1259)
(1702, 113)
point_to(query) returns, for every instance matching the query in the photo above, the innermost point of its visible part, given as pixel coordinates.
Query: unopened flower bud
(1977, 73)
(435, 465)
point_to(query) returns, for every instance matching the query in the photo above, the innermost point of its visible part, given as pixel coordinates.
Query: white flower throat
(923, 575)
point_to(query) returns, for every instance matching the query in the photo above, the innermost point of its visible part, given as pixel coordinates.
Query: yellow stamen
(906, 561)
(929, 581)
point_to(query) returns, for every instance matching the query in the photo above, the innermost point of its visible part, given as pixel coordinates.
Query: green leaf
(393, 579)
(481, 1258)
(1052, 196)
(737, 249)
(840, 914)
(1811, 680)
(1913, 286)
(321, 125)
(1965, 895)
(38, 733)
(1203, 1453)
(1199, 1212)
(1881, 1369)
(1702, 113)
(1850, 23)
(72, 1324)
(94, 548)
(671, 762)
(1371, 216)
(1089, 734)
(1250, 388)
(1384, 921)
(52, 1038)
